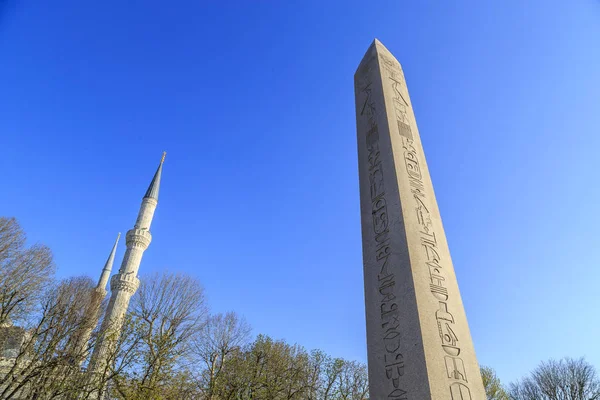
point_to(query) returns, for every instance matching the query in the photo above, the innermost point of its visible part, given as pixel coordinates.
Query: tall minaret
(124, 284)
(93, 312)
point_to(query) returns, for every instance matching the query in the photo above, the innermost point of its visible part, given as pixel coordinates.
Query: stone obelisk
(418, 340)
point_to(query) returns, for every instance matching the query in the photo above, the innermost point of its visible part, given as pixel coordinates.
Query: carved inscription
(460, 391)
(455, 368)
(401, 106)
(394, 360)
(404, 130)
(388, 304)
(449, 341)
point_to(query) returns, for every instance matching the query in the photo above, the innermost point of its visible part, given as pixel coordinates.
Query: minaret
(124, 284)
(101, 287)
(93, 312)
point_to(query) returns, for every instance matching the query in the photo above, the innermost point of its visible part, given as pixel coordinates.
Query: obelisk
(418, 340)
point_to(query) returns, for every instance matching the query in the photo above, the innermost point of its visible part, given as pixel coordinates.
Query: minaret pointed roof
(108, 266)
(154, 187)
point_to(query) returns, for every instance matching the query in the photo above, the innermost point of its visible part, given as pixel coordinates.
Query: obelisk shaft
(418, 340)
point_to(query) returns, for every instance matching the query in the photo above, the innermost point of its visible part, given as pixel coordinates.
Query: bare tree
(123, 354)
(46, 364)
(168, 310)
(566, 379)
(24, 272)
(12, 237)
(525, 389)
(221, 335)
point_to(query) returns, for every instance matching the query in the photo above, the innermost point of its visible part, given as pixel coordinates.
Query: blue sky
(254, 103)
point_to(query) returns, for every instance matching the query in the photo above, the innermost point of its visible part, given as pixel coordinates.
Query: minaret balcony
(140, 238)
(127, 282)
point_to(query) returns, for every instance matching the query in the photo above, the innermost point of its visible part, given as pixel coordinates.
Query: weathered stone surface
(11, 340)
(418, 340)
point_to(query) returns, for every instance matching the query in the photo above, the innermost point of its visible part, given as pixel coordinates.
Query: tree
(332, 370)
(565, 379)
(166, 349)
(316, 365)
(215, 343)
(353, 381)
(24, 273)
(167, 311)
(46, 365)
(268, 362)
(493, 388)
(268, 369)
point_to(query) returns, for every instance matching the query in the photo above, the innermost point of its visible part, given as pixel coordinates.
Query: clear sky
(254, 103)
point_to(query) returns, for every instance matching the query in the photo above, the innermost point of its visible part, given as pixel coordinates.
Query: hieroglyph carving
(449, 341)
(388, 306)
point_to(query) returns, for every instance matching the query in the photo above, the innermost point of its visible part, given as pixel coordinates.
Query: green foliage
(493, 387)
(272, 370)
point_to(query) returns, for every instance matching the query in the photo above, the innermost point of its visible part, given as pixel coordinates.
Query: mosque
(122, 286)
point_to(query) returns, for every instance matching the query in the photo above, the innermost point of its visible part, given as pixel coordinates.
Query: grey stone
(418, 340)
(11, 340)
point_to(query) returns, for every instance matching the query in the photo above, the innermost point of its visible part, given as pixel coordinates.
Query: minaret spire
(108, 266)
(125, 283)
(93, 312)
(152, 191)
